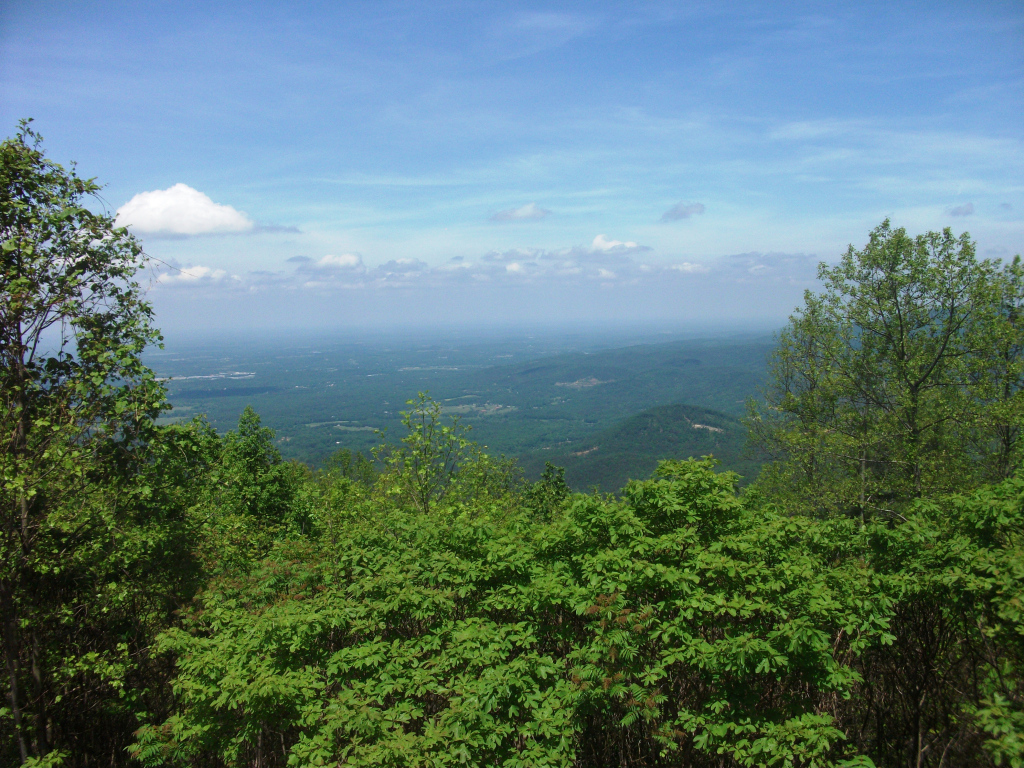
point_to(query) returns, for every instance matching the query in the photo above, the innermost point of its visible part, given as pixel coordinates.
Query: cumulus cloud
(192, 275)
(682, 211)
(346, 261)
(962, 210)
(602, 244)
(786, 267)
(516, 254)
(328, 268)
(183, 211)
(528, 212)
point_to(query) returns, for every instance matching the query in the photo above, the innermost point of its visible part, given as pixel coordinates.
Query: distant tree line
(172, 596)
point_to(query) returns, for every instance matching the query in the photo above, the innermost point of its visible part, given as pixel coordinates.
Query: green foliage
(94, 547)
(675, 622)
(883, 383)
(549, 494)
(677, 625)
(996, 376)
(948, 682)
(256, 483)
(437, 463)
(250, 497)
(353, 466)
(422, 470)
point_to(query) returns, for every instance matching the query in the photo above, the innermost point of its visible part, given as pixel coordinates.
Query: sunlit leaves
(675, 617)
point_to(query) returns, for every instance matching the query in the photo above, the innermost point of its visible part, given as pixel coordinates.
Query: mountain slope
(632, 448)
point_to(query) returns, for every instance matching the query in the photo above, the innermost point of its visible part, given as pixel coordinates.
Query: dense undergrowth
(675, 624)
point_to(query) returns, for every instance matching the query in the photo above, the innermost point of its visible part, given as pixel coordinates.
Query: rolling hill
(632, 448)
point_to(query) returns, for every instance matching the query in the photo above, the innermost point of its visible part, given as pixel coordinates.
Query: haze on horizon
(393, 164)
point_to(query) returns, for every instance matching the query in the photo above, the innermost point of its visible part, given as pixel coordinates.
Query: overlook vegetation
(174, 595)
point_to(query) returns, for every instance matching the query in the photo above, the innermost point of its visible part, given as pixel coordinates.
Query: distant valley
(606, 413)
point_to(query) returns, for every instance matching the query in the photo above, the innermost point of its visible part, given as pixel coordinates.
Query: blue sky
(500, 163)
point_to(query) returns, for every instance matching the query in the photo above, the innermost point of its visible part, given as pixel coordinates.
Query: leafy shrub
(674, 624)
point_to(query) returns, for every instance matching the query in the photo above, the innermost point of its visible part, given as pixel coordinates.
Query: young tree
(878, 387)
(76, 402)
(257, 482)
(438, 464)
(423, 468)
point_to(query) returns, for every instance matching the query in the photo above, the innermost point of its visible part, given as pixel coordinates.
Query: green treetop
(76, 402)
(900, 379)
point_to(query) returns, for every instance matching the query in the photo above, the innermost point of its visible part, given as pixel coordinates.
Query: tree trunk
(42, 737)
(13, 671)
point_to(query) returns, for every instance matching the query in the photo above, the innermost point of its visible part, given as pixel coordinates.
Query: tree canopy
(76, 417)
(899, 380)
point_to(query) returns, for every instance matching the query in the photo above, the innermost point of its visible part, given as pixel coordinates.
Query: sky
(342, 164)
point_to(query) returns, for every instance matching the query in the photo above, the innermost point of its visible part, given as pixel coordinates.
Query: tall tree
(894, 381)
(996, 375)
(76, 402)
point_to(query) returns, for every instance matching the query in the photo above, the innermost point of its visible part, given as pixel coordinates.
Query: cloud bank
(607, 281)
(606, 262)
(180, 211)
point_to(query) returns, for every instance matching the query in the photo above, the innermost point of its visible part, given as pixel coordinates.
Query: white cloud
(180, 210)
(603, 244)
(400, 267)
(682, 211)
(191, 275)
(786, 267)
(689, 267)
(530, 211)
(515, 254)
(347, 261)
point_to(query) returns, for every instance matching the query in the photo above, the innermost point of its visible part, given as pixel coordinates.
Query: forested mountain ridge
(174, 595)
(631, 449)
